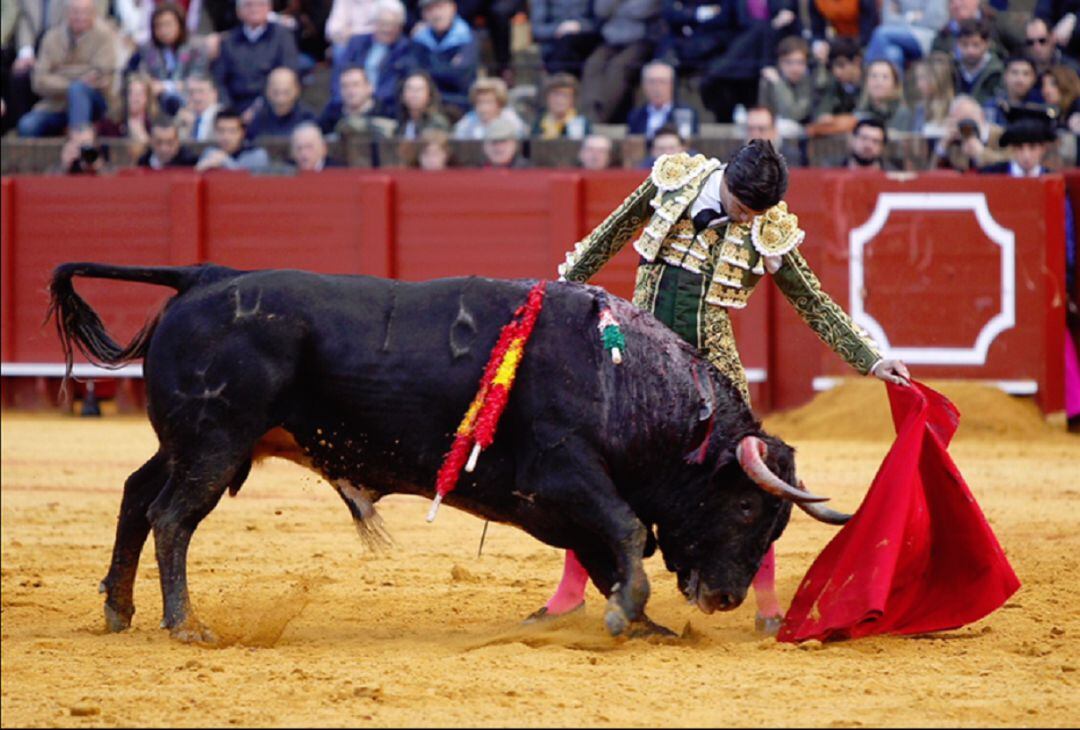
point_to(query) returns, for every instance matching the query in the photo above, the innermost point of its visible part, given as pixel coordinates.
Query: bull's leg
(192, 492)
(132, 528)
(769, 616)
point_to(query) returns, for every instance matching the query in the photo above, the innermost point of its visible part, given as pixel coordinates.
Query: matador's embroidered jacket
(691, 279)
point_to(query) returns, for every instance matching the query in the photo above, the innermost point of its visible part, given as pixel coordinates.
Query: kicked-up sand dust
(317, 631)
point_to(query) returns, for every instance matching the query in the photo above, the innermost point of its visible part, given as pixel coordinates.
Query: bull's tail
(78, 323)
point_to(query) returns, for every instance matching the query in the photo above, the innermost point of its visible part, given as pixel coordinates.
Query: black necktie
(704, 218)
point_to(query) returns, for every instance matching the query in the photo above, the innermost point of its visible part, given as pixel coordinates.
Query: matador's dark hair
(757, 175)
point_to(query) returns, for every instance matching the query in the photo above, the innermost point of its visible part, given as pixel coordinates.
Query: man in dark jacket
(566, 31)
(1028, 136)
(249, 52)
(660, 109)
(165, 149)
(446, 48)
(385, 55)
(281, 110)
(630, 30)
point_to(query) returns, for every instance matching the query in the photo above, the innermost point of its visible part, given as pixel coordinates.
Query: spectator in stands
(560, 118)
(907, 30)
(854, 19)
(960, 11)
(970, 142)
(1027, 139)
(283, 110)
(883, 97)
(348, 19)
(761, 124)
(755, 28)
(566, 31)
(196, 118)
(497, 16)
(432, 151)
(168, 58)
(446, 48)
(934, 84)
(502, 146)
(976, 71)
(1061, 90)
(596, 152)
(788, 91)
(384, 55)
(1061, 17)
(81, 154)
(1041, 47)
(666, 141)
(630, 29)
(356, 115)
(165, 150)
(307, 148)
(249, 53)
(490, 101)
(837, 94)
(420, 107)
(660, 109)
(232, 151)
(75, 73)
(1019, 85)
(866, 146)
(139, 108)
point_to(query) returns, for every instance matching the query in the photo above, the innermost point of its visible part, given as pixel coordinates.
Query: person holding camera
(81, 154)
(969, 142)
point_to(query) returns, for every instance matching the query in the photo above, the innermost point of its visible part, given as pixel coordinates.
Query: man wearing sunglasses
(1041, 48)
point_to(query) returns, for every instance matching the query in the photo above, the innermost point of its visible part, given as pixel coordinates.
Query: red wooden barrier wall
(932, 278)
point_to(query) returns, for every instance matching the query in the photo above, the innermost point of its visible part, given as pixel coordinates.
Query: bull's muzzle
(709, 600)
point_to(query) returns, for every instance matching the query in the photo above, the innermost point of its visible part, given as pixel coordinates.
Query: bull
(364, 381)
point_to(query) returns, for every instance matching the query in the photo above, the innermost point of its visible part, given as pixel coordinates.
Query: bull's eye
(746, 506)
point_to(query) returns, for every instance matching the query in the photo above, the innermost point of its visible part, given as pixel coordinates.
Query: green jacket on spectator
(983, 85)
(788, 101)
(835, 99)
(893, 114)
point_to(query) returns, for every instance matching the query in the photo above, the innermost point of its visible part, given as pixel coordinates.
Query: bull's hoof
(645, 628)
(193, 631)
(768, 625)
(543, 614)
(116, 621)
(615, 618)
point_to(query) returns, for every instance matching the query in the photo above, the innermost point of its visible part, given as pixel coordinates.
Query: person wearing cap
(1027, 138)
(712, 233)
(501, 146)
(445, 47)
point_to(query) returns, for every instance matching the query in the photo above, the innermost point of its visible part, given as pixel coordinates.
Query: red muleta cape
(918, 555)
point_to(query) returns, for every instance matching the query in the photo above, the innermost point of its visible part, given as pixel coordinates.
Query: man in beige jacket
(75, 73)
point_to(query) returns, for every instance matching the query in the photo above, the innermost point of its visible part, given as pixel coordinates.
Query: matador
(711, 232)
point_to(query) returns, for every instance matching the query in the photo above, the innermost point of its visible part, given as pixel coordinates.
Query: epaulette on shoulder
(776, 231)
(671, 172)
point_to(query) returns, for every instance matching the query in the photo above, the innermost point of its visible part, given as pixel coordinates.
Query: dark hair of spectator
(429, 138)
(1020, 59)
(757, 175)
(844, 47)
(974, 27)
(872, 122)
(792, 44)
(670, 130)
(561, 81)
(354, 67)
(177, 11)
(229, 113)
(434, 100)
(163, 121)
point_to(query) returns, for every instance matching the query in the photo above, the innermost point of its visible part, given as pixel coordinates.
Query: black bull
(370, 378)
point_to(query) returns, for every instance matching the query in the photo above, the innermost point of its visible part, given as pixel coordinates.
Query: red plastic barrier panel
(961, 277)
(52, 220)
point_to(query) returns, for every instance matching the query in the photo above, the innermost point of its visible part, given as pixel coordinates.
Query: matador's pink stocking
(571, 591)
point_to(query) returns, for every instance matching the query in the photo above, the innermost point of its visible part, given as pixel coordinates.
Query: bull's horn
(822, 513)
(750, 452)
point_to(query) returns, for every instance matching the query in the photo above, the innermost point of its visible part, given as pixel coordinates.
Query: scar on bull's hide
(239, 311)
(390, 316)
(462, 331)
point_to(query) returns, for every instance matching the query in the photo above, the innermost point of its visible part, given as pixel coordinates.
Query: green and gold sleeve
(801, 287)
(608, 238)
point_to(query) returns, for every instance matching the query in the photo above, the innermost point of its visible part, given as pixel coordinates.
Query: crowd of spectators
(200, 82)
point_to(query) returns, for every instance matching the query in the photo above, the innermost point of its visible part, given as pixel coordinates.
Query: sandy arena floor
(319, 632)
